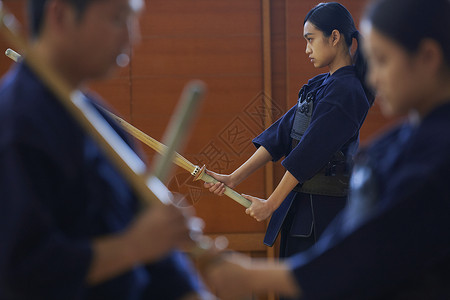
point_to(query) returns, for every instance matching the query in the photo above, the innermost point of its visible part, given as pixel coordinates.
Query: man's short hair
(36, 11)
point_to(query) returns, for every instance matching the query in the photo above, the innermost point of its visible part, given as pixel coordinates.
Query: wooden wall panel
(202, 17)
(220, 43)
(197, 56)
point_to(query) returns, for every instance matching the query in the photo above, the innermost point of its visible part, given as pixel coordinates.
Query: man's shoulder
(21, 91)
(29, 112)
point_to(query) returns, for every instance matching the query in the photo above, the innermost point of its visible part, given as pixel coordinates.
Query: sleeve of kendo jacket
(36, 260)
(173, 278)
(337, 117)
(276, 139)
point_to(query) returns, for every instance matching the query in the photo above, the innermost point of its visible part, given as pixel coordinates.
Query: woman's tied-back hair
(36, 10)
(409, 22)
(332, 15)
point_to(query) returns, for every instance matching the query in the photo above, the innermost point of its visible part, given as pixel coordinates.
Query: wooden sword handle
(202, 175)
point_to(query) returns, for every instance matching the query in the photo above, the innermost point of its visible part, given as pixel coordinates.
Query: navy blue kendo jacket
(340, 107)
(392, 240)
(58, 192)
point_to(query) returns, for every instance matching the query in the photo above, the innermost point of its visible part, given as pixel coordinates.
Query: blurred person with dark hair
(70, 226)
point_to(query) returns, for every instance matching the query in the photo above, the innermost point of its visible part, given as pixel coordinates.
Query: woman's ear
(335, 37)
(430, 56)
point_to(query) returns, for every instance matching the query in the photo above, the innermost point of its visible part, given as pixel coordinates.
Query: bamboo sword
(194, 170)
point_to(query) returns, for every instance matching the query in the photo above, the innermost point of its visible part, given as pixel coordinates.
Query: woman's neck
(436, 96)
(342, 60)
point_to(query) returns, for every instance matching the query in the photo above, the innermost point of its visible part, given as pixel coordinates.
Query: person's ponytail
(361, 67)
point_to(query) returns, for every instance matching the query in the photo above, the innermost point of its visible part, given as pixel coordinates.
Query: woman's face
(318, 47)
(393, 72)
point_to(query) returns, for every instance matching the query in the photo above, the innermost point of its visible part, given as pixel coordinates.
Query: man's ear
(60, 15)
(335, 37)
